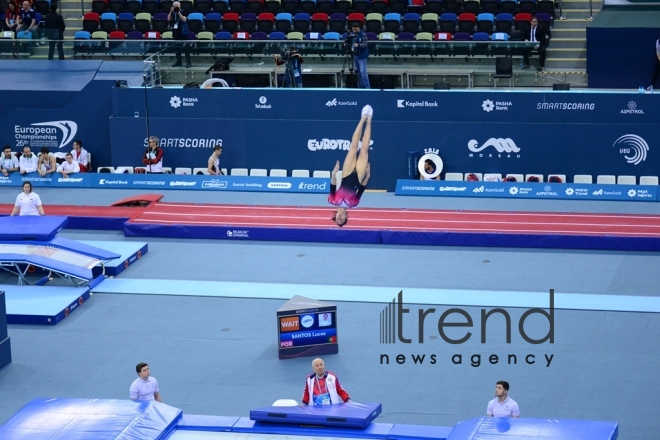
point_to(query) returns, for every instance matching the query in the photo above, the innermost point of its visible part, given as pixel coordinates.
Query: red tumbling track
(413, 220)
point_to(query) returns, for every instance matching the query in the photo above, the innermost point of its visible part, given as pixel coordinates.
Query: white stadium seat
(321, 174)
(454, 176)
(648, 180)
(239, 172)
(277, 173)
(606, 179)
(300, 173)
(626, 180)
(180, 170)
(256, 172)
(583, 178)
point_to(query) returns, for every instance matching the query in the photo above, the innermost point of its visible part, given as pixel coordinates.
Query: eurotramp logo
(454, 326)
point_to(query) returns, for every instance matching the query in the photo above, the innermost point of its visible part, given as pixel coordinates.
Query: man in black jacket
(55, 30)
(541, 36)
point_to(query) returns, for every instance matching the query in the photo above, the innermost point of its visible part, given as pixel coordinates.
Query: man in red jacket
(322, 387)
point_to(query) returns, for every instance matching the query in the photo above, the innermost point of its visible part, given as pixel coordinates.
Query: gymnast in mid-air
(355, 172)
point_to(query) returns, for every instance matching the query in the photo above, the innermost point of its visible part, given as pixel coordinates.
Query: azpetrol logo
(632, 109)
(45, 134)
(632, 144)
(452, 327)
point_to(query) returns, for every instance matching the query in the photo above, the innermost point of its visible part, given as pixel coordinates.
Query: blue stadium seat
(283, 22)
(504, 22)
(108, 22)
(195, 22)
(125, 22)
(481, 36)
(448, 22)
(411, 22)
(248, 22)
(331, 36)
(159, 22)
(301, 22)
(392, 22)
(485, 23)
(212, 22)
(277, 36)
(337, 22)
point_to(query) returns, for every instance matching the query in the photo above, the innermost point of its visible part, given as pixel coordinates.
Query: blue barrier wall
(475, 131)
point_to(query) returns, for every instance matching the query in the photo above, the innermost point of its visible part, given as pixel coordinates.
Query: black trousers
(51, 49)
(181, 45)
(543, 49)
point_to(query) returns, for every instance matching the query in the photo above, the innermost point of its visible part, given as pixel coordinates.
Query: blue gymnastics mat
(345, 415)
(487, 428)
(30, 227)
(44, 305)
(91, 419)
(129, 252)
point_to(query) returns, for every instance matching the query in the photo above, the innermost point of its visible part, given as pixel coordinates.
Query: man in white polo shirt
(502, 405)
(144, 387)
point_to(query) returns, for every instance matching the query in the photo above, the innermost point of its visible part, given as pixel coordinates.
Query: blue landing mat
(345, 415)
(129, 252)
(42, 304)
(30, 227)
(389, 237)
(91, 419)
(487, 428)
(475, 298)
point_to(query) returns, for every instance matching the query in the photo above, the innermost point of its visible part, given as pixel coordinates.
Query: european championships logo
(454, 327)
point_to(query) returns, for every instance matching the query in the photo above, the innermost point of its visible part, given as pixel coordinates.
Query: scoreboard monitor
(306, 327)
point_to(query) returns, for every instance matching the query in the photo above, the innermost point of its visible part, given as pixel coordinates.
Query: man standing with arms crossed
(144, 387)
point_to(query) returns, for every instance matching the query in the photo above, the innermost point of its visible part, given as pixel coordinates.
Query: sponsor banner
(173, 181)
(390, 105)
(566, 191)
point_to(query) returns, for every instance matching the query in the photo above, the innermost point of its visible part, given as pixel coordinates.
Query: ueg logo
(46, 134)
(279, 185)
(454, 326)
(488, 105)
(182, 183)
(334, 102)
(263, 103)
(633, 148)
(331, 144)
(112, 182)
(177, 102)
(632, 109)
(504, 146)
(70, 180)
(402, 103)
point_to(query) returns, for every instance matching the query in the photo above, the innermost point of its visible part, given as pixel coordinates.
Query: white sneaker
(370, 112)
(365, 110)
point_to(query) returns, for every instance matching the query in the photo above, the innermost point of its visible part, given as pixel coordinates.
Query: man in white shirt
(144, 387)
(502, 405)
(8, 162)
(28, 162)
(68, 167)
(80, 155)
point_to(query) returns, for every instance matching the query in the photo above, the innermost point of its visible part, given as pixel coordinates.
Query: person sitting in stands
(47, 163)
(80, 155)
(28, 161)
(8, 161)
(68, 167)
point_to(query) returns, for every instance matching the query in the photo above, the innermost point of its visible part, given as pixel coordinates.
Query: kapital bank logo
(46, 134)
(454, 326)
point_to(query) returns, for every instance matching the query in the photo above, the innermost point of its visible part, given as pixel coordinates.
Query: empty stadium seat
(344, 6)
(300, 173)
(392, 22)
(91, 22)
(283, 22)
(321, 174)
(448, 22)
(442, 36)
(606, 179)
(159, 22)
(99, 6)
(230, 22)
(490, 6)
(453, 6)
(125, 22)
(648, 180)
(380, 6)
(203, 6)
(220, 6)
(134, 6)
(294, 36)
(301, 22)
(485, 23)
(259, 36)
(116, 6)
(355, 17)
(626, 180)
(195, 22)
(278, 173)
(108, 22)
(374, 22)
(212, 22)
(331, 36)
(266, 22)
(325, 6)
(508, 6)
(467, 22)
(546, 7)
(182, 170)
(434, 6)
(504, 22)
(430, 23)
(259, 172)
(337, 22)
(240, 35)
(255, 6)
(582, 178)
(523, 22)
(272, 6)
(308, 6)
(527, 6)
(290, 6)
(248, 22)
(238, 172)
(319, 22)
(143, 22)
(472, 6)
(151, 6)
(238, 6)
(411, 22)
(454, 176)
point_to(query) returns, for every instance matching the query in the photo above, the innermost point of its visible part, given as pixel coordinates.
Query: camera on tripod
(350, 42)
(288, 53)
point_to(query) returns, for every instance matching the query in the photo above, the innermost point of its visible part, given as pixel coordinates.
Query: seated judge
(322, 387)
